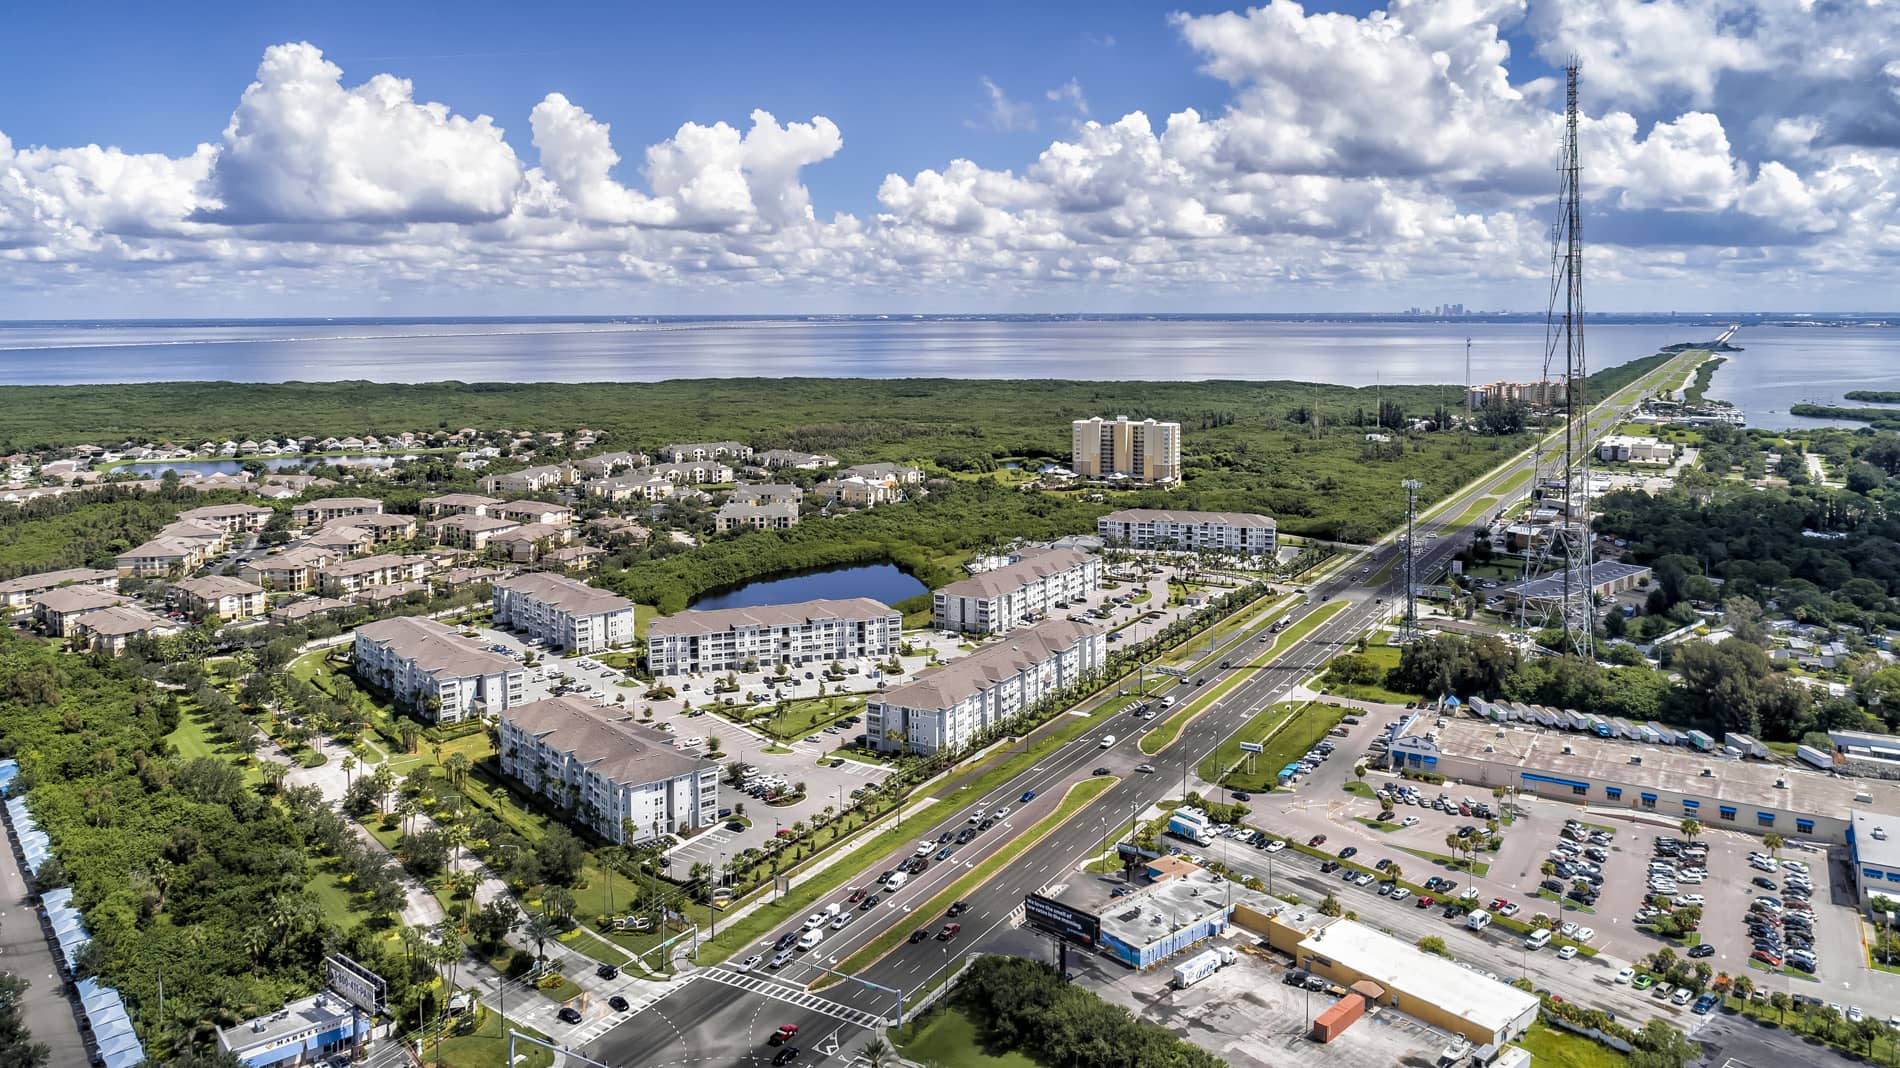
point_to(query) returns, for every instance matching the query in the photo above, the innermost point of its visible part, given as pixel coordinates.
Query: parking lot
(1247, 1016)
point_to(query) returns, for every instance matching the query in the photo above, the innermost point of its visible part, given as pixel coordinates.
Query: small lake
(881, 582)
(232, 467)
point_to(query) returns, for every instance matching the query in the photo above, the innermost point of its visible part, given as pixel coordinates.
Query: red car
(784, 832)
(784, 1034)
(1498, 903)
(1766, 958)
(1316, 841)
(949, 931)
(858, 895)
(1426, 902)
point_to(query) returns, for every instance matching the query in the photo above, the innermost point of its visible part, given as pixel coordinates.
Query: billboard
(356, 984)
(1252, 747)
(1065, 920)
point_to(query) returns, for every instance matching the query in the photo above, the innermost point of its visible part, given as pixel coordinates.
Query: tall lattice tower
(1563, 471)
(1408, 565)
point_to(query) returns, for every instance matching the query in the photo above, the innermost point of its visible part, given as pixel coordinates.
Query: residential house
(999, 601)
(734, 515)
(428, 666)
(324, 509)
(626, 783)
(792, 634)
(948, 708)
(229, 598)
(574, 616)
(16, 592)
(1153, 528)
(458, 504)
(54, 610)
(349, 576)
(469, 531)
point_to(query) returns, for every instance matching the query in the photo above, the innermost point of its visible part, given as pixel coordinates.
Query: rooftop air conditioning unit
(1636, 760)
(1781, 784)
(1879, 834)
(1708, 773)
(1568, 749)
(1864, 798)
(1490, 748)
(257, 1026)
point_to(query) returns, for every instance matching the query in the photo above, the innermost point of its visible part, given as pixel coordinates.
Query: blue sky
(931, 157)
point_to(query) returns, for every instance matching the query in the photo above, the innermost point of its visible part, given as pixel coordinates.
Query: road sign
(1163, 669)
(356, 984)
(1252, 747)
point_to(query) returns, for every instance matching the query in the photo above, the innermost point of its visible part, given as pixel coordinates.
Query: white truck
(1201, 965)
(1478, 920)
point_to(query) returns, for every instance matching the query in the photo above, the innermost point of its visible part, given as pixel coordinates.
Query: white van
(1167, 702)
(1478, 920)
(1537, 939)
(811, 938)
(896, 881)
(924, 849)
(831, 911)
(1108, 741)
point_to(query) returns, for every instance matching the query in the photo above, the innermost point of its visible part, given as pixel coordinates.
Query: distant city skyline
(996, 158)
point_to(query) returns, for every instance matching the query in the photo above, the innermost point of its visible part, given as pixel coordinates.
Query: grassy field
(1229, 753)
(193, 738)
(949, 1039)
(1387, 658)
(1076, 799)
(487, 1047)
(1301, 732)
(808, 714)
(1551, 1048)
(335, 900)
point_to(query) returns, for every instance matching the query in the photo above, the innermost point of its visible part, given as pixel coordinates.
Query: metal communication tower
(1562, 486)
(1408, 566)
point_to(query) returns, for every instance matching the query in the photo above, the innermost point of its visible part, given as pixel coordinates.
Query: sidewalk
(46, 1009)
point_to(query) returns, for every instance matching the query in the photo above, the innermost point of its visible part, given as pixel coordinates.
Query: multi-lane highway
(726, 1015)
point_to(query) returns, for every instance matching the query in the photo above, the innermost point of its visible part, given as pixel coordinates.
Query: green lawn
(1387, 658)
(1301, 732)
(1552, 1048)
(335, 900)
(192, 738)
(806, 715)
(487, 1047)
(1229, 753)
(949, 1039)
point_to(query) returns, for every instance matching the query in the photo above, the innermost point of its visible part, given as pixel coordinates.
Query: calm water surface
(880, 582)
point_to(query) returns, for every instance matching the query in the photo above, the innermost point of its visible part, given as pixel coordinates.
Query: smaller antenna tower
(1408, 569)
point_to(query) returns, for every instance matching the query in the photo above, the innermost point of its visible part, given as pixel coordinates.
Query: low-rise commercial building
(947, 708)
(309, 1031)
(1671, 781)
(429, 667)
(1873, 838)
(1606, 578)
(229, 598)
(16, 592)
(571, 615)
(1634, 450)
(1017, 594)
(808, 632)
(310, 513)
(1153, 528)
(625, 782)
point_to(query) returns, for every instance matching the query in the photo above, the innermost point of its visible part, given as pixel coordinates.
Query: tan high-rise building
(1146, 451)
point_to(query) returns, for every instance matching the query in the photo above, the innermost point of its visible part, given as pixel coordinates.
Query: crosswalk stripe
(793, 996)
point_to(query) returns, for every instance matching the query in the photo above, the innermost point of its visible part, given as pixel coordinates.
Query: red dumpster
(1339, 1017)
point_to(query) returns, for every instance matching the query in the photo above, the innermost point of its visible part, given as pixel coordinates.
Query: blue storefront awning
(1572, 783)
(1686, 803)
(1649, 797)
(1769, 816)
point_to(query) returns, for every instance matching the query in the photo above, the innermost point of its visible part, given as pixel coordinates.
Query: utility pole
(1467, 384)
(1408, 568)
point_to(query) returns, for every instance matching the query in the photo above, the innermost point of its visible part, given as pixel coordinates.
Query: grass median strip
(1165, 732)
(1075, 800)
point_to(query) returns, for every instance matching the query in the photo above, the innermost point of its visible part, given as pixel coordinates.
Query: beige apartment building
(229, 598)
(1145, 451)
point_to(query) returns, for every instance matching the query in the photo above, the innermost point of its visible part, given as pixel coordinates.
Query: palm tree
(876, 1053)
(1779, 1001)
(1690, 827)
(348, 765)
(457, 768)
(541, 927)
(1772, 843)
(1392, 874)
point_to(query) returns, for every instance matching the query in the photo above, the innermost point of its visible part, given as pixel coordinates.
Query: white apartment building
(948, 707)
(560, 611)
(772, 515)
(1153, 528)
(623, 781)
(531, 479)
(708, 450)
(328, 508)
(458, 504)
(530, 512)
(429, 667)
(1145, 451)
(999, 601)
(55, 609)
(807, 632)
(228, 597)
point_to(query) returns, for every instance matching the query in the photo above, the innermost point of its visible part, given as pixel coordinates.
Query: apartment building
(1154, 528)
(765, 493)
(603, 464)
(737, 515)
(469, 531)
(17, 592)
(229, 598)
(531, 479)
(574, 616)
(947, 708)
(885, 472)
(692, 472)
(388, 569)
(774, 459)
(526, 544)
(1144, 451)
(384, 528)
(458, 504)
(231, 518)
(341, 537)
(576, 557)
(623, 781)
(808, 632)
(291, 571)
(641, 486)
(709, 450)
(307, 608)
(859, 492)
(526, 512)
(55, 610)
(310, 513)
(1000, 600)
(429, 667)
(163, 556)
(106, 630)
(617, 529)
